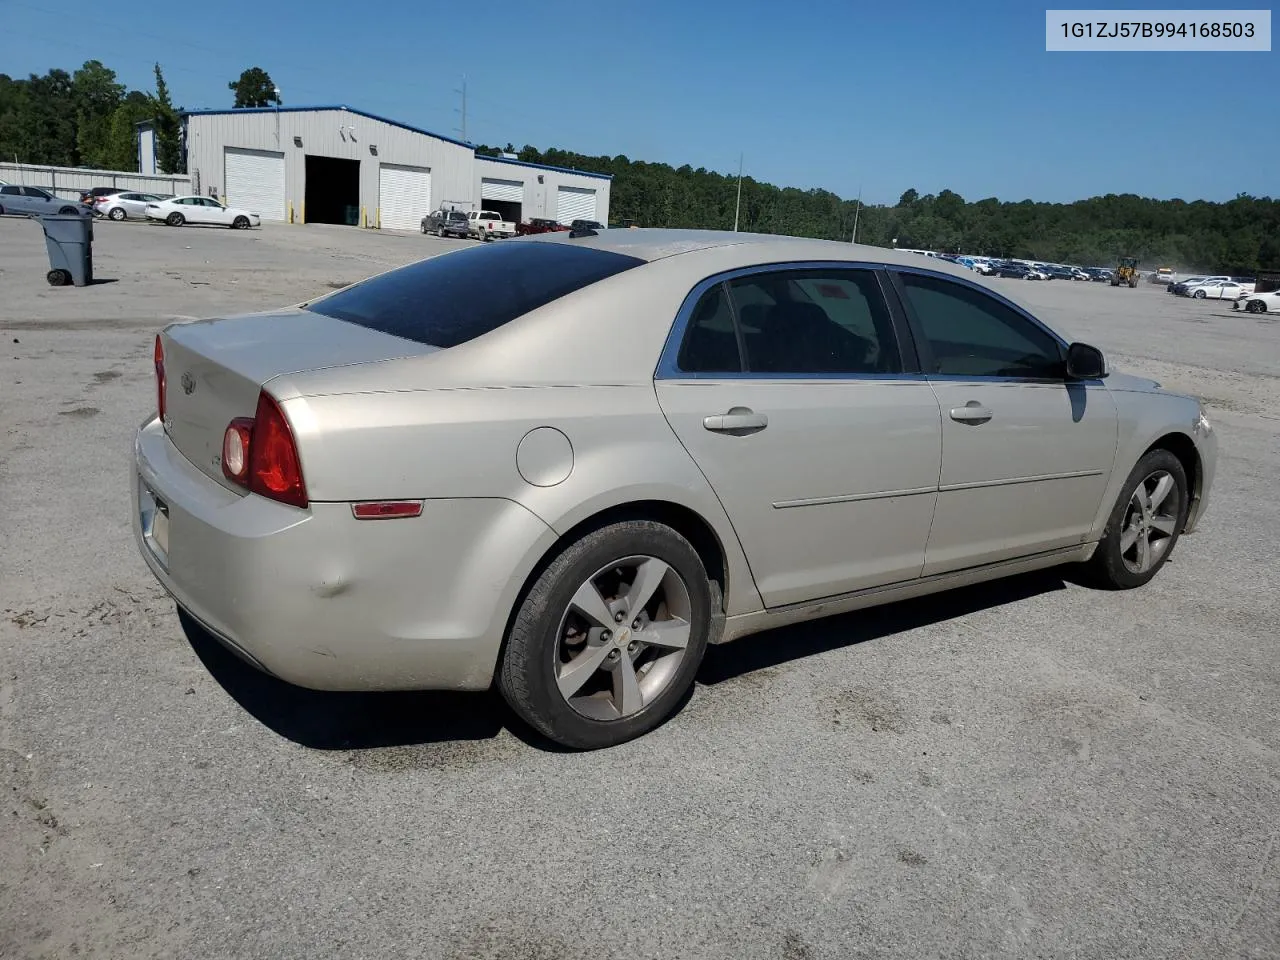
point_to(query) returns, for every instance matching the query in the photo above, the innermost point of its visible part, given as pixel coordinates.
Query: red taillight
(160, 382)
(260, 454)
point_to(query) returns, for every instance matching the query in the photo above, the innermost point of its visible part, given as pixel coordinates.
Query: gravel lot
(1025, 769)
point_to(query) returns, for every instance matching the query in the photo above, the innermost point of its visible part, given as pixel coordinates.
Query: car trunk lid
(214, 370)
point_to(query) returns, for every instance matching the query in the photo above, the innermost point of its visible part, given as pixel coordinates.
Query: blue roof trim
(340, 106)
(543, 166)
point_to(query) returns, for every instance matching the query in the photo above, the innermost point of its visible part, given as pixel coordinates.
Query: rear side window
(455, 297)
(711, 343)
(821, 321)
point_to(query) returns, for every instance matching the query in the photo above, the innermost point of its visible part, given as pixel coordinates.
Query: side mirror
(1085, 362)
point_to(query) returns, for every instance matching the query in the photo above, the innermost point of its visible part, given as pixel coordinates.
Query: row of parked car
(1024, 269)
(488, 225)
(112, 203)
(1213, 288)
(115, 204)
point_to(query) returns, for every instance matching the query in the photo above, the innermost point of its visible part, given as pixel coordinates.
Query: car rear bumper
(318, 598)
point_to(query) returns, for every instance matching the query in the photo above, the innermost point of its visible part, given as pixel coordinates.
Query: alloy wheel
(1150, 522)
(620, 643)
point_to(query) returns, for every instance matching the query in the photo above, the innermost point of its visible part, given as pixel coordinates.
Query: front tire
(240, 223)
(1255, 306)
(1144, 525)
(606, 643)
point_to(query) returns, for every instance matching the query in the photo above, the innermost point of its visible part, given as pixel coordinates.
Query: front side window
(824, 321)
(971, 334)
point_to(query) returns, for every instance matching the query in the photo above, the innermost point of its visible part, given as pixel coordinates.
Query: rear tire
(116, 213)
(67, 212)
(602, 706)
(175, 219)
(1144, 525)
(1199, 294)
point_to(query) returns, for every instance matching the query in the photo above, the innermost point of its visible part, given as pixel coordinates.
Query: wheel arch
(1188, 454)
(686, 521)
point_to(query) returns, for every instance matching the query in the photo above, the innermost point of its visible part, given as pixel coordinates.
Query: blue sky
(885, 96)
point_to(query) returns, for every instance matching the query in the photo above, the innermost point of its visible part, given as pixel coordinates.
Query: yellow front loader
(1127, 272)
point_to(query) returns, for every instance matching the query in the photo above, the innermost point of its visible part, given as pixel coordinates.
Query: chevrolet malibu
(564, 465)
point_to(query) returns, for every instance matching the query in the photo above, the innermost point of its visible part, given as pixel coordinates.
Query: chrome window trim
(668, 369)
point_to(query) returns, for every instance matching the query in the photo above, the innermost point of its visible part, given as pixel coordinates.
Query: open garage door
(505, 197)
(404, 196)
(255, 182)
(575, 203)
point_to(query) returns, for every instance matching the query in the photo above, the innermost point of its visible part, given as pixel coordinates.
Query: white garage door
(255, 182)
(404, 196)
(575, 203)
(510, 190)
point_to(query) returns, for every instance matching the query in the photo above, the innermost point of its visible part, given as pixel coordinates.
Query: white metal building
(340, 165)
(522, 191)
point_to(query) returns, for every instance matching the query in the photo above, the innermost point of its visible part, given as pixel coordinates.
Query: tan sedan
(566, 463)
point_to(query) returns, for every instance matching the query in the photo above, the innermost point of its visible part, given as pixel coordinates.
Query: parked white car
(1258, 302)
(1217, 290)
(125, 205)
(179, 210)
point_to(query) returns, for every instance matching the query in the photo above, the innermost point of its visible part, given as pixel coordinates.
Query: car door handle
(738, 418)
(971, 412)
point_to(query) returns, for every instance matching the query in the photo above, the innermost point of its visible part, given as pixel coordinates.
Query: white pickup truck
(485, 225)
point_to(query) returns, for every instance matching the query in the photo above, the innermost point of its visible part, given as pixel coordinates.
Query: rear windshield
(455, 297)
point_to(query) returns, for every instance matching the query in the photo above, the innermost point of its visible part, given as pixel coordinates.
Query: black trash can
(70, 241)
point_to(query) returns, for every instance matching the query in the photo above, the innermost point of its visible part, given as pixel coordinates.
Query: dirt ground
(1029, 768)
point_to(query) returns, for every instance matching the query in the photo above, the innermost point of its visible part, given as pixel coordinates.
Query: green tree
(254, 89)
(122, 152)
(168, 135)
(96, 96)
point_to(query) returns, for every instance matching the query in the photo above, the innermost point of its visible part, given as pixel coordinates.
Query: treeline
(88, 119)
(85, 119)
(1236, 237)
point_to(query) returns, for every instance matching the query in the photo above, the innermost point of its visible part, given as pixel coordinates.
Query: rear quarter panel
(451, 423)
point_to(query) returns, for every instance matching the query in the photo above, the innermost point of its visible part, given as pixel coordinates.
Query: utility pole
(857, 210)
(463, 91)
(738, 206)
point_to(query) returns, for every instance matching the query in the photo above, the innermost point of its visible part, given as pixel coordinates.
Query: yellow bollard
(303, 215)
(364, 217)
(378, 214)
(291, 211)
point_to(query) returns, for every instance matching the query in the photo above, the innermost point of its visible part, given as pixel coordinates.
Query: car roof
(650, 243)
